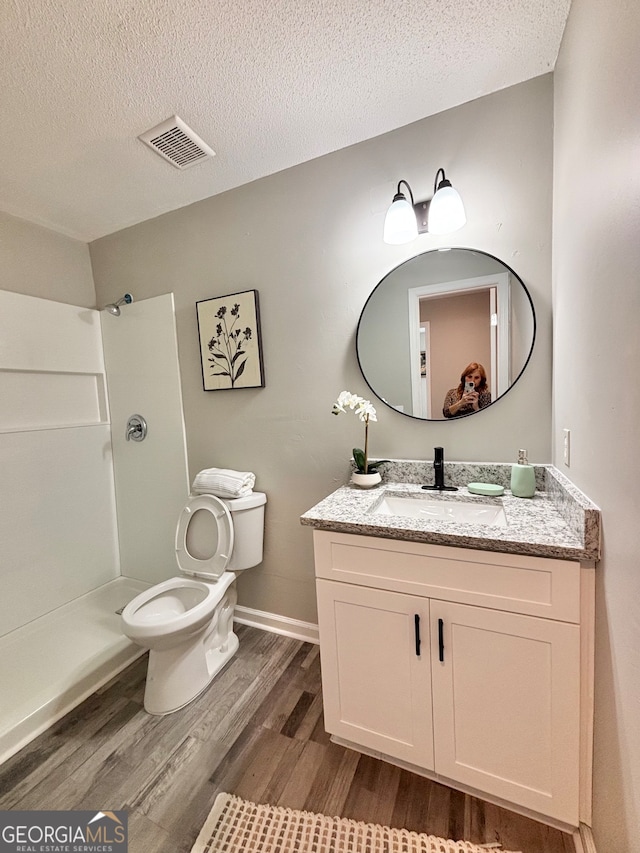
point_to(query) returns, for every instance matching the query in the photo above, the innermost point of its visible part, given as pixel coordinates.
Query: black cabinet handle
(441, 640)
(416, 620)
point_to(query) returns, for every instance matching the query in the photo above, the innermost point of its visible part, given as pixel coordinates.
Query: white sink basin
(462, 512)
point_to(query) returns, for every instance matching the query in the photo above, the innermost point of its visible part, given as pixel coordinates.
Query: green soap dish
(486, 489)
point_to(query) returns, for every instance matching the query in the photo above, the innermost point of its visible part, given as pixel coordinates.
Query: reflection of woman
(467, 397)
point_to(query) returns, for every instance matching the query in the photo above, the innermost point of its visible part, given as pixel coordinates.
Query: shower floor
(52, 664)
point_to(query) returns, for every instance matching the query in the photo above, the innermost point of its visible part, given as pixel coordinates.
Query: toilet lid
(209, 557)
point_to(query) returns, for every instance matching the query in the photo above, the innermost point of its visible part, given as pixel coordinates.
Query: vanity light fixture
(443, 214)
(446, 210)
(400, 223)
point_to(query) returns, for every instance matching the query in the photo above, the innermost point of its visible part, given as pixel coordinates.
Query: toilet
(186, 622)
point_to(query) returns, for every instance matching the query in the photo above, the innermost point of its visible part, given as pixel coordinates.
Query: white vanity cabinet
(376, 689)
(468, 666)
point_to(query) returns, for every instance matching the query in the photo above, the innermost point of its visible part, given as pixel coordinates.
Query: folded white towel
(223, 482)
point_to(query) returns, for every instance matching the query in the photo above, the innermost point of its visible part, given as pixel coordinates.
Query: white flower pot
(366, 481)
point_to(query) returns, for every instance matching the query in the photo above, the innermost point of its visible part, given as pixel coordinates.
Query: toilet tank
(247, 514)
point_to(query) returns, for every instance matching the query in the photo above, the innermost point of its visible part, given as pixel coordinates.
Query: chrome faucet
(438, 470)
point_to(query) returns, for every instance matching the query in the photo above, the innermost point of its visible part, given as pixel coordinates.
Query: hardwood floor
(256, 732)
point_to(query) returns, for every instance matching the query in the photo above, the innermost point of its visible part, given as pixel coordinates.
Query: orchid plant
(366, 412)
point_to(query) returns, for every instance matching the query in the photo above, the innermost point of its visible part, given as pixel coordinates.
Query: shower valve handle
(136, 429)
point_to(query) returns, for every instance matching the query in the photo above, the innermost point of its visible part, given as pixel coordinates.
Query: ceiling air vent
(177, 143)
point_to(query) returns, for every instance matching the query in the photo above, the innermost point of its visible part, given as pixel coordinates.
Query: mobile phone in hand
(469, 386)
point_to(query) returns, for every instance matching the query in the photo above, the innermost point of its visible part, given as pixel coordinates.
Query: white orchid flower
(365, 412)
(346, 400)
(351, 400)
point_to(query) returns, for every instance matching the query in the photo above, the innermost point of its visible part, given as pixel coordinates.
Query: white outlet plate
(567, 446)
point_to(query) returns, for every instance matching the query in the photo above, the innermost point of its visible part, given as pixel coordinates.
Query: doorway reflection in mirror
(471, 395)
(435, 312)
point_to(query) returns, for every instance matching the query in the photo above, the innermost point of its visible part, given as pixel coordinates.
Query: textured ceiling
(266, 83)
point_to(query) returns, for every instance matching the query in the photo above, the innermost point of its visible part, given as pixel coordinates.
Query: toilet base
(177, 675)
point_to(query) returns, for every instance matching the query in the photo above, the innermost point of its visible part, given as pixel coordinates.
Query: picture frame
(230, 341)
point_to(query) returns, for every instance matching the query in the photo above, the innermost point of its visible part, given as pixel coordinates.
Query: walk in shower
(87, 519)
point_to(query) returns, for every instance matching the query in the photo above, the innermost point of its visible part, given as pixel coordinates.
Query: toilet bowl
(186, 622)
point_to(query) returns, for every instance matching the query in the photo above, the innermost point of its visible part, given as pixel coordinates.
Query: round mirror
(437, 323)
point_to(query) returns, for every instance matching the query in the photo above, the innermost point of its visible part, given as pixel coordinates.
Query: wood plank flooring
(257, 732)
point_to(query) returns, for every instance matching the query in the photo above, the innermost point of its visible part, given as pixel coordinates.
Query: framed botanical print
(230, 344)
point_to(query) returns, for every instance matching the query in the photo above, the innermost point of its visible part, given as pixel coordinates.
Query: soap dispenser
(523, 477)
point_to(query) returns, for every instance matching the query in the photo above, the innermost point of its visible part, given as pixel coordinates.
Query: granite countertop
(559, 521)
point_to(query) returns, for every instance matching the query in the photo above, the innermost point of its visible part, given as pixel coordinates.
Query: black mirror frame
(493, 402)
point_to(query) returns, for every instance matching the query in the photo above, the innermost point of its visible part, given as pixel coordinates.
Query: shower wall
(58, 535)
(63, 455)
(151, 476)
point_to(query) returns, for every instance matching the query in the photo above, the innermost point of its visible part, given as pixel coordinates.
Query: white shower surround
(56, 488)
(53, 663)
(60, 635)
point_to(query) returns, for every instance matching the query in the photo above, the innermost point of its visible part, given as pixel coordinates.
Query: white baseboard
(277, 624)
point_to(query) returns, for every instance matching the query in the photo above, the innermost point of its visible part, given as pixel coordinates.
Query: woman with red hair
(471, 395)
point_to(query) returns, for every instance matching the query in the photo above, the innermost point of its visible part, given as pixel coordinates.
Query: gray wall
(310, 240)
(596, 356)
(38, 262)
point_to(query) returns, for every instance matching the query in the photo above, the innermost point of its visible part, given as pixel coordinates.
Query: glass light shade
(400, 224)
(446, 212)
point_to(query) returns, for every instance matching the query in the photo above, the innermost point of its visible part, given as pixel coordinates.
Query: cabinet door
(376, 682)
(507, 705)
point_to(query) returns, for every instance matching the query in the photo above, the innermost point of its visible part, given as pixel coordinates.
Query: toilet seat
(214, 566)
(153, 613)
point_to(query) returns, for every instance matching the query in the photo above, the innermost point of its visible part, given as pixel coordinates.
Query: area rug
(238, 826)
